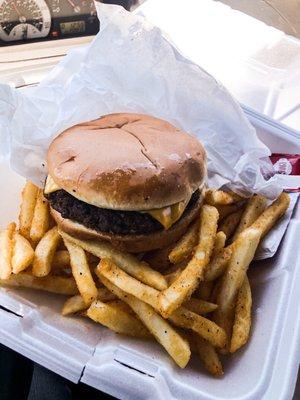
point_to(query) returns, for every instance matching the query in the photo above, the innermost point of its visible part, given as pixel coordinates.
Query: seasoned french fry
(218, 264)
(29, 196)
(53, 284)
(242, 320)
(44, 253)
(73, 305)
(81, 272)
(218, 197)
(243, 253)
(182, 288)
(11, 228)
(184, 247)
(138, 269)
(200, 306)
(76, 303)
(208, 356)
(117, 319)
(127, 283)
(23, 254)
(256, 205)
(205, 287)
(6, 250)
(219, 242)
(61, 260)
(204, 327)
(228, 224)
(164, 333)
(181, 317)
(270, 216)
(143, 292)
(172, 276)
(41, 218)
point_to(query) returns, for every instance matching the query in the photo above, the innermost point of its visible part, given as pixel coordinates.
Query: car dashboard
(35, 20)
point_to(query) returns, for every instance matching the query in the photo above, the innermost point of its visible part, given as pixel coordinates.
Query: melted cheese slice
(167, 216)
(50, 186)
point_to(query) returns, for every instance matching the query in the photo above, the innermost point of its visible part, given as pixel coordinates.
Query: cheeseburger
(133, 180)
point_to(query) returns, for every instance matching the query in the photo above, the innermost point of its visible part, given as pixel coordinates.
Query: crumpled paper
(131, 66)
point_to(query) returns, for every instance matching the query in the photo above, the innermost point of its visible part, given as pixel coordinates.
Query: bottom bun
(131, 243)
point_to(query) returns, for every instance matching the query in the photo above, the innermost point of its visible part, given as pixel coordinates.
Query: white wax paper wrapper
(271, 241)
(132, 67)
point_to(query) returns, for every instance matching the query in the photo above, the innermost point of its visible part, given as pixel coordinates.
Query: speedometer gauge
(24, 19)
(64, 8)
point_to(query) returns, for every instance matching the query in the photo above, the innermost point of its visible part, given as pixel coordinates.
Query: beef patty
(105, 220)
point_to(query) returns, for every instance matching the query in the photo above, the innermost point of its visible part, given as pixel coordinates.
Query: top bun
(127, 162)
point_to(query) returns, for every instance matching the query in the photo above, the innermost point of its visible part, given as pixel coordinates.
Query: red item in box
(286, 164)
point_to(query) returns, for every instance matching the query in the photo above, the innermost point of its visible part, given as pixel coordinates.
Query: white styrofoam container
(78, 349)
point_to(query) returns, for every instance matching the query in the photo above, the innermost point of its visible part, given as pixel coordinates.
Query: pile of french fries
(200, 303)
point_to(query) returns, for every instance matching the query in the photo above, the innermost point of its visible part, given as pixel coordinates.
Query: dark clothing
(21, 379)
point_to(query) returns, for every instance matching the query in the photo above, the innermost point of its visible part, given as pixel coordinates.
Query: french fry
(204, 327)
(243, 253)
(219, 242)
(218, 197)
(181, 317)
(218, 264)
(164, 333)
(23, 254)
(205, 287)
(184, 247)
(143, 292)
(199, 306)
(182, 288)
(6, 250)
(73, 305)
(44, 253)
(117, 319)
(208, 356)
(76, 303)
(242, 320)
(29, 196)
(53, 284)
(120, 305)
(81, 272)
(256, 205)
(270, 216)
(61, 260)
(41, 218)
(138, 269)
(127, 283)
(229, 224)
(172, 276)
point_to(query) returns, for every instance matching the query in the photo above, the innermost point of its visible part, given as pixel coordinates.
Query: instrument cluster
(23, 20)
